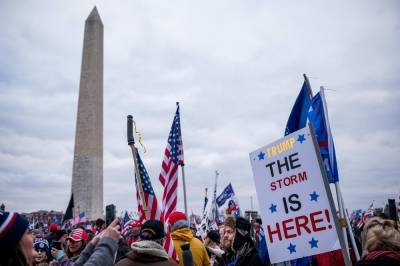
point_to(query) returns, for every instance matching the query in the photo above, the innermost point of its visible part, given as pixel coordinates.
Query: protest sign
(294, 197)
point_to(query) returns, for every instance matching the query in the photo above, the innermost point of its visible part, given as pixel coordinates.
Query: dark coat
(251, 258)
(226, 258)
(146, 253)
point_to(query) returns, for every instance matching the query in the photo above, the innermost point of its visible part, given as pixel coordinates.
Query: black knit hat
(214, 236)
(243, 224)
(12, 228)
(152, 230)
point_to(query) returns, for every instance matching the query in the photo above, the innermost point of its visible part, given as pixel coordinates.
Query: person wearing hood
(148, 250)
(381, 243)
(212, 243)
(182, 236)
(243, 245)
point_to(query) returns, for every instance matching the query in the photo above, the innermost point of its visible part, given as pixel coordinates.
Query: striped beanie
(41, 244)
(12, 228)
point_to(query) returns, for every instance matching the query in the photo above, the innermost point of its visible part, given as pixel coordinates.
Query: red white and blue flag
(366, 215)
(311, 108)
(319, 119)
(81, 218)
(148, 193)
(173, 157)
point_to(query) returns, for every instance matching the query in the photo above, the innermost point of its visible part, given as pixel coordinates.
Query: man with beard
(227, 240)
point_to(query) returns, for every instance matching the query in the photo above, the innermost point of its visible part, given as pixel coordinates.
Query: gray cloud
(236, 69)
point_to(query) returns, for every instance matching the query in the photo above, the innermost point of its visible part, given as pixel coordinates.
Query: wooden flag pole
(342, 220)
(131, 143)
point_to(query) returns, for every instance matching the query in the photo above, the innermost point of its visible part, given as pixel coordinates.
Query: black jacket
(251, 258)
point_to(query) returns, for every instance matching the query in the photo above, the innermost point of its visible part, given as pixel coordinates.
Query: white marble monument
(87, 175)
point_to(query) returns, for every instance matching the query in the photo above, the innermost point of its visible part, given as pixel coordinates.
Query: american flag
(127, 223)
(173, 157)
(366, 215)
(149, 196)
(81, 218)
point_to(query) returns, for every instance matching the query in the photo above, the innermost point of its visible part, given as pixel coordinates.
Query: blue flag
(262, 248)
(225, 195)
(323, 134)
(56, 220)
(298, 115)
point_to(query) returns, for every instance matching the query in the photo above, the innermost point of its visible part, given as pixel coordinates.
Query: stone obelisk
(87, 176)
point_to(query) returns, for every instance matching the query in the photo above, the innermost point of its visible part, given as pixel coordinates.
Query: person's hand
(112, 230)
(96, 239)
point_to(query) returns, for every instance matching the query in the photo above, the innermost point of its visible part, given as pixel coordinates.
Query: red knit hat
(53, 227)
(176, 216)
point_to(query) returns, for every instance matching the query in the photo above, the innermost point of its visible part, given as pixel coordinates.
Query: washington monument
(87, 175)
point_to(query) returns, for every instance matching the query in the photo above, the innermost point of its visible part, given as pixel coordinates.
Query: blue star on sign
(313, 243)
(273, 208)
(292, 248)
(314, 196)
(301, 138)
(261, 155)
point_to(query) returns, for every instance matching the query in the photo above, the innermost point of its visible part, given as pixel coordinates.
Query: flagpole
(214, 209)
(353, 241)
(344, 219)
(183, 169)
(184, 188)
(131, 143)
(205, 197)
(342, 239)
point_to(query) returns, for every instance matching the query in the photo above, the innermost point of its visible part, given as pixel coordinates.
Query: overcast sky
(235, 66)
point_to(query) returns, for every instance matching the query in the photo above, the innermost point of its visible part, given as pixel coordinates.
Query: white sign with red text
(294, 205)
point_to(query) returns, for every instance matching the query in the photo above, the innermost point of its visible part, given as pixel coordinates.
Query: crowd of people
(237, 241)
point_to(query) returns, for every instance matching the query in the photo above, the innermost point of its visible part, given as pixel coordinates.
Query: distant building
(44, 217)
(250, 215)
